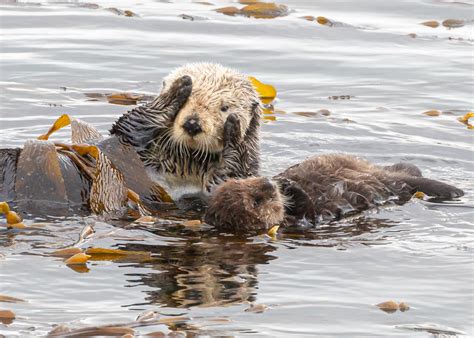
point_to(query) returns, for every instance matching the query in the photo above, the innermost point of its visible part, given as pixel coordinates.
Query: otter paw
(232, 129)
(184, 86)
(174, 99)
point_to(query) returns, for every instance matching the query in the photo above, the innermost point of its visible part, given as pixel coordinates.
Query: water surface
(325, 283)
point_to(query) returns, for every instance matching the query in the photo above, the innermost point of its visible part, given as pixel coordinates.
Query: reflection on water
(358, 86)
(211, 271)
(202, 270)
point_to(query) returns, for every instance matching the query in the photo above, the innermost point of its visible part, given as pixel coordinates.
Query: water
(325, 283)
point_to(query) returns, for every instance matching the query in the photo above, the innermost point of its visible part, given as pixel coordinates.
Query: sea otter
(202, 129)
(319, 189)
(209, 137)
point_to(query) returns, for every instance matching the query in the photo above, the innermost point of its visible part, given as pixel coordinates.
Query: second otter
(321, 188)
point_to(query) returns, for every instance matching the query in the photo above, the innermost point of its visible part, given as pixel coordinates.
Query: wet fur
(229, 144)
(323, 188)
(246, 206)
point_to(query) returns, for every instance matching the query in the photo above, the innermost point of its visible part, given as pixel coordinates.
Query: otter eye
(257, 201)
(224, 109)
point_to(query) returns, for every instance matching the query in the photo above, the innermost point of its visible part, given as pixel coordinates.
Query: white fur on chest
(175, 186)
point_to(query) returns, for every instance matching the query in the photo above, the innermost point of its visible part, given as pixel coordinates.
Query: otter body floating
(319, 189)
(202, 129)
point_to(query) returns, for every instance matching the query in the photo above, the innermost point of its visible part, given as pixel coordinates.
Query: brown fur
(319, 189)
(227, 110)
(259, 199)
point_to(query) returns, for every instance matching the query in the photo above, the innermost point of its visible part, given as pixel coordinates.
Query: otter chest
(177, 186)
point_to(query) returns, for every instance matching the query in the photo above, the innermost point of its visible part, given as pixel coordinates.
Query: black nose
(192, 126)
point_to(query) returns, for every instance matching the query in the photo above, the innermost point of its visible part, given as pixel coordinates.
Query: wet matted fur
(227, 109)
(321, 188)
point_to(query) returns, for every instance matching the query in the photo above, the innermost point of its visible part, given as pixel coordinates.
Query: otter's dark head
(249, 206)
(217, 91)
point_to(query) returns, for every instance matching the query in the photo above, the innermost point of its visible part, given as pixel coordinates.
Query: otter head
(217, 91)
(249, 206)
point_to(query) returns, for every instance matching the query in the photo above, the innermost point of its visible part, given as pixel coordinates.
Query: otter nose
(192, 126)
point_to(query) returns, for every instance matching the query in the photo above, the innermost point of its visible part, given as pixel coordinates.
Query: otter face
(252, 205)
(216, 92)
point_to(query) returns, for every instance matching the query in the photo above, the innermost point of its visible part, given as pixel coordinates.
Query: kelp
(7, 317)
(430, 23)
(9, 299)
(14, 221)
(266, 92)
(432, 113)
(392, 306)
(465, 120)
(257, 10)
(108, 193)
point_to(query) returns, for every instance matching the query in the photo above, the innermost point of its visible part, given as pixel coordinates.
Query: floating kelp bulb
(80, 258)
(431, 23)
(147, 315)
(273, 231)
(419, 194)
(324, 21)
(257, 308)
(67, 252)
(13, 218)
(308, 17)
(8, 299)
(4, 208)
(264, 10)
(389, 306)
(231, 11)
(403, 307)
(7, 316)
(453, 23)
(432, 113)
(266, 92)
(129, 13)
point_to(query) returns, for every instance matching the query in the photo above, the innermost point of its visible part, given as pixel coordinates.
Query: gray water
(324, 283)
